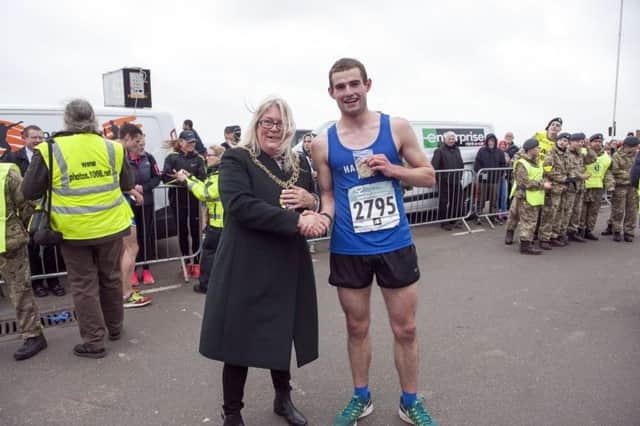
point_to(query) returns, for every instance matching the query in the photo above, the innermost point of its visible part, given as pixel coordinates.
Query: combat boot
(555, 242)
(545, 245)
(607, 231)
(31, 346)
(589, 235)
(508, 239)
(617, 237)
(527, 248)
(628, 238)
(573, 236)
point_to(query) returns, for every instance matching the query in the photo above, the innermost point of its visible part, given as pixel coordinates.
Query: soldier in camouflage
(575, 187)
(600, 178)
(15, 212)
(529, 193)
(624, 202)
(555, 171)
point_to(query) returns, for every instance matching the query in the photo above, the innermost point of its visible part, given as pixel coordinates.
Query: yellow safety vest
(545, 145)
(4, 171)
(535, 197)
(597, 170)
(87, 202)
(207, 191)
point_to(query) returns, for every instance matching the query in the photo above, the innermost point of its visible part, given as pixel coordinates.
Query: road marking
(159, 289)
(457, 234)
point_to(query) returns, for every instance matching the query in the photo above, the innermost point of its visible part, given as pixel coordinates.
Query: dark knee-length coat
(261, 297)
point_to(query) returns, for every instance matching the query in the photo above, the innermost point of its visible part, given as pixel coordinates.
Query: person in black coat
(489, 157)
(450, 196)
(186, 207)
(635, 172)
(261, 297)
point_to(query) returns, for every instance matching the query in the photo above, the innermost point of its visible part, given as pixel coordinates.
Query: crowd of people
(264, 201)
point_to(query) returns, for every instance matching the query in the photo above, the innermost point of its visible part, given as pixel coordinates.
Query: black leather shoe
(30, 347)
(283, 406)
(628, 238)
(589, 235)
(573, 236)
(607, 231)
(82, 350)
(198, 289)
(617, 237)
(39, 289)
(232, 420)
(56, 288)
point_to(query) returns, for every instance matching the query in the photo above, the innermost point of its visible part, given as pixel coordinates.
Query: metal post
(615, 92)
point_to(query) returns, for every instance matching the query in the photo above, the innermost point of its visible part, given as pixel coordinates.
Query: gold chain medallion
(281, 183)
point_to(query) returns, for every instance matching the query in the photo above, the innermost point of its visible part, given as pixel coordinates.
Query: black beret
(577, 136)
(596, 136)
(631, 141)
(530, 144)
(564, 135)
(558, 119)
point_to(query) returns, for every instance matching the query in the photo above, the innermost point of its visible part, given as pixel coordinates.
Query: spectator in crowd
(634, 175)
(263, 268)
(231, 136)
(512, 148)
(50, 261)
(489, 157)
(503, 197)
(447, 158)
(92, 216)
(14, 268)
(307, 140)
(624, 202)
(147, 176)
(185, 207)
(207, 191)
(187, 126)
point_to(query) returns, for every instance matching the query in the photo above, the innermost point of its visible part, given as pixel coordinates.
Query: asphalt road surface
(505, 339)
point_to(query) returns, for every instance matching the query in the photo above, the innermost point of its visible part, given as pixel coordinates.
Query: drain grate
(57, 318)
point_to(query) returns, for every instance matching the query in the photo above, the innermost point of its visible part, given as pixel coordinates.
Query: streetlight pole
(612, 130)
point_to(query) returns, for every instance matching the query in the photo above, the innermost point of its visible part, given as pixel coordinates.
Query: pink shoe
(147, 278)
(134, 279)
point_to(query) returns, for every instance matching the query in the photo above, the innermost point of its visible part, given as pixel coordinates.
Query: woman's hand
(296, 197)
(312, 225)
(137, 197)
(181, 175)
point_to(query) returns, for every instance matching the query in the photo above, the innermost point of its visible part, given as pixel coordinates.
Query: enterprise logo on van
(433, 138)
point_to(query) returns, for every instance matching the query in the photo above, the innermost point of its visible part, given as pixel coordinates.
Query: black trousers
(51, 260)
(145, 233)
(209, 248)
(450, 197)
(188, 224)
(233, 379)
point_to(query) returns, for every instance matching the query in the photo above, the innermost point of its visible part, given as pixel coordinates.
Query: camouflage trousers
(14, 269)
(576, 212)
(514, 218)
(624, 209)
(567, 211)
(590, 208)
(552, 215)
(528, 216)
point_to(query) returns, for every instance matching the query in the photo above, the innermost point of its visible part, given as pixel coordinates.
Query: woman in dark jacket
(261, 298)
(489, 157)
(186, 207)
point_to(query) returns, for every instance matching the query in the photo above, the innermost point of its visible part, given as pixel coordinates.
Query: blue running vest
(344, 239)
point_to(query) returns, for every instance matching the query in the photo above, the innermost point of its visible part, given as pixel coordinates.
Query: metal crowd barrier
(492, 194)
(161, 244)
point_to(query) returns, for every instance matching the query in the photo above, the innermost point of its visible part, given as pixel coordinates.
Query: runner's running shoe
(356, 409)
(415, 414)
(136, 300)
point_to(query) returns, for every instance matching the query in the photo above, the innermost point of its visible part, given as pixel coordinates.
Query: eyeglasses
(269, 124)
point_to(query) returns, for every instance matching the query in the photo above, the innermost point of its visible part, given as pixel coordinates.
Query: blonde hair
(249, 139)
(217, 150)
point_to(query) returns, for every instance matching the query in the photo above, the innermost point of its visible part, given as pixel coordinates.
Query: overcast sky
(515, 64)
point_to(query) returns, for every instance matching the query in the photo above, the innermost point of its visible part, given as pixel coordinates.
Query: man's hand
(380, 163)
(312, 225)
(137, 197)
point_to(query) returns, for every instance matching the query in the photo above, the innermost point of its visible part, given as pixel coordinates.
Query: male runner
(359, 164)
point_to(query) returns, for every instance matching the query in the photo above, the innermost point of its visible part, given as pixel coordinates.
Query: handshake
(314, 225)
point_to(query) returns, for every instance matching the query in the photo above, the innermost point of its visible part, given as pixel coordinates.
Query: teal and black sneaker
(415, 414)
(356, 409)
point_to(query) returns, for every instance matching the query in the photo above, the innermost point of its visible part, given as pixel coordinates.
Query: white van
(469, 136)
(157, 126)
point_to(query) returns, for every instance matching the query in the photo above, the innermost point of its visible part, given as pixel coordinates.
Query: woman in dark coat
(261, 297)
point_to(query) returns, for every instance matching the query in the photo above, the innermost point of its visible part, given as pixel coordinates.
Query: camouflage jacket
(575, 166)
(522, 177)
(555, 169)
(621, 164)
(18, 212)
